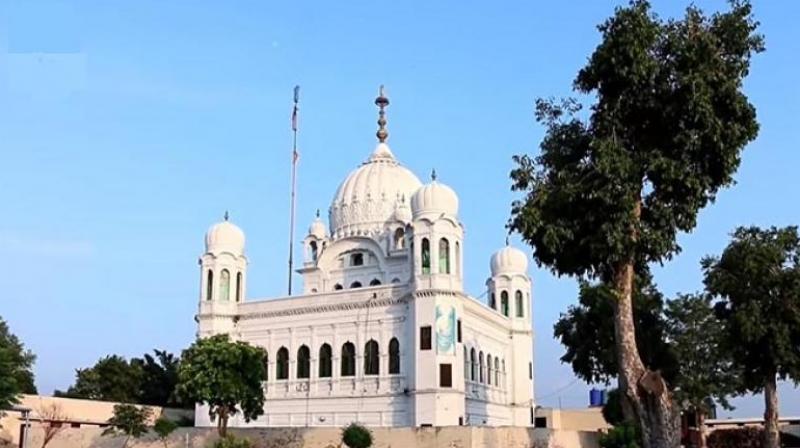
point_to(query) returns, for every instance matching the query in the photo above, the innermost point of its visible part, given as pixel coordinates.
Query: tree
(16, 368)
(128, 420)
(159, 378)
(163, 428)
(52, 417)
(112, 378)
(227, 376)
(663, 135)
(356, 436)
(757, 282)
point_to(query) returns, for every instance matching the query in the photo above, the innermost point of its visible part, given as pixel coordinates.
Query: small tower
(313, 245)
(223, 278)
(509, 292)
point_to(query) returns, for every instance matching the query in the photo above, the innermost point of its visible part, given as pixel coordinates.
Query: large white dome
(369, 195)
(434, 199)
(225, 237)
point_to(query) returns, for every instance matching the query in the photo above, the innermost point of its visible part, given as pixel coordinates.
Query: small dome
(225, 237)
(434, 198)
(509, 260)
(402, 213)
(317, 228)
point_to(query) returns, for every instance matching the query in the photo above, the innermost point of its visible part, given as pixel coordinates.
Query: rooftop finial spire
(433, 174)
(381, 101)
(317, 213)
(226, 216)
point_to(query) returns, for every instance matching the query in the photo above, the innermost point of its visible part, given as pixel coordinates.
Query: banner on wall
(445, 329)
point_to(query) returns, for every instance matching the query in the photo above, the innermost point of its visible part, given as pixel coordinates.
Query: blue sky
(127, 129)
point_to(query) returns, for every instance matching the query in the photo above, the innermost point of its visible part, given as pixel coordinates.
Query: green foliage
(587, 333)
(748, 437)
(225, 375)
(16, 368)
(230, 441)
(164, 427)
(356, 436)
(623, 436)
(148, 380)
(663, 136)
(612, 410)
(757, 282)
(128, 420)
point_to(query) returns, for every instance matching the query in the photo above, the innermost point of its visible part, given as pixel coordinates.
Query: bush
(163, 428)
(356, 436)
(230, 441)
(625, 435)
(748, 437)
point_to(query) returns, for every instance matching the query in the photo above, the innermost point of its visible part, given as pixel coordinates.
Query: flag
(294, 109)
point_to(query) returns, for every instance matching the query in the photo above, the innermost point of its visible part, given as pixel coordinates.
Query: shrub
(356, 436)
(163, 428)
(625, 435)
(748, 437)
(230, 441)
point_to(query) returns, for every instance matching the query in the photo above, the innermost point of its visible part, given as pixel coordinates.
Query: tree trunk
(701, 428)
(645, 391)
(222, 422)
(772, 438)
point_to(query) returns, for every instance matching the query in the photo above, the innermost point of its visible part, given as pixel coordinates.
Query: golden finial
(381, 101)
(226, 215)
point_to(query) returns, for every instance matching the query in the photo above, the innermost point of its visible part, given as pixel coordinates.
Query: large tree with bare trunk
(613, 187)
(757, 279)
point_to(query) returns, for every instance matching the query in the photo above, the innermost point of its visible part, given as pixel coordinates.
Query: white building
(383, 333)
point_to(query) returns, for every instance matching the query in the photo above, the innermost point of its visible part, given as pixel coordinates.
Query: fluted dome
(434, 198)
(369, 195)
(509, 260)
(225, 237)
(317, 228)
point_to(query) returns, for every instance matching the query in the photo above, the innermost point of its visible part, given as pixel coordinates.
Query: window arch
(266, 366)
(480, 367)
(371, 358)
(395, 280)
(504, 303)
(338, 286)
(504, 372)
(325, 356)
(426, 256)
(444, 256)
(497, 371)
(374, 282)
(210, 285)
(238, 286)
(493, 301)
(518, 304)
(394, 356)
(355, 285)
(473, 364)
(225, 285)
(313, 250)
(399, 238)
(489, 369)
(303, 362)
(282, 364)
(348, 359)
(466, 364)
(457, 259)
(357, 259)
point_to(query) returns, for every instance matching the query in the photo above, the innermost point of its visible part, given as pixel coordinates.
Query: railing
(335, 387)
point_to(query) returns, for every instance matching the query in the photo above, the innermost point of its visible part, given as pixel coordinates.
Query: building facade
(383, 332)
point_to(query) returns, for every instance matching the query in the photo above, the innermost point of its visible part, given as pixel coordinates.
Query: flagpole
(294, 182)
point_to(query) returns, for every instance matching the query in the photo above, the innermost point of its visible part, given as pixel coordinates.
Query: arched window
(210, 285)
(371, 358)
(395, 280)
(518, 305)
(325, 355)
(504, 303)
(466, 364)
(488, 369)
(493, 301)
(225, 286)
(473, 364)
(426, 256)
(496, 371)
(337, 287)
(313, 250)
(303, 362)
(457, 259)
(504, 372)
(348, 359)
(480, 367)
(399, 238)
(355, 285)
(266, 366)
(444, 256)
(374, 282)
(238, 286)
(357, 259)
(282, 366)
(394, 356)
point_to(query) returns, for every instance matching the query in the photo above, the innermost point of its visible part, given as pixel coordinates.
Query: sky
(128, 128)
